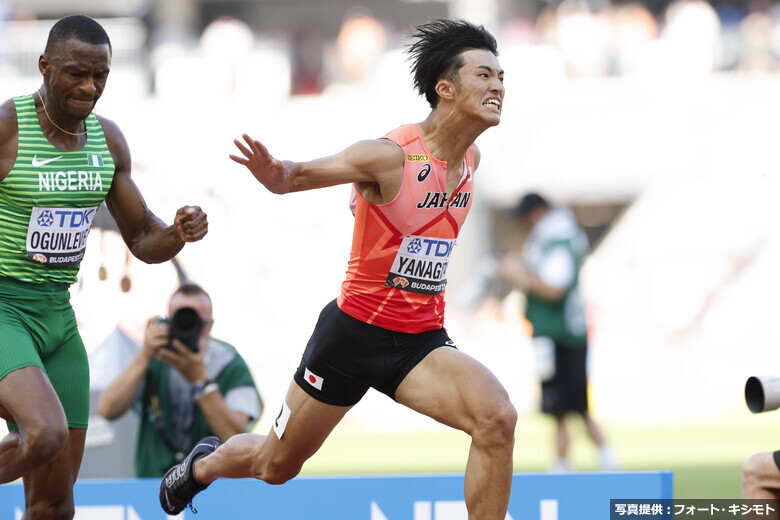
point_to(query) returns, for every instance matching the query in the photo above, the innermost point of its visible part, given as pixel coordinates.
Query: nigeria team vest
(49, 199)
(397, 269)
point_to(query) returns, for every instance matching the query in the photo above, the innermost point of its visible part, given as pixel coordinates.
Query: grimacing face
(482, 85)
(75, 74)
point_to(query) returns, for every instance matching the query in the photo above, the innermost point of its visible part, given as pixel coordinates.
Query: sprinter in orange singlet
(413, 190)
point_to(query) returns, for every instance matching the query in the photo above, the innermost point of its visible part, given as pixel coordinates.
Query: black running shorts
(345, 357)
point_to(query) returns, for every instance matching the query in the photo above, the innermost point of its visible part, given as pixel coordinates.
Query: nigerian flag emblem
(95, 160)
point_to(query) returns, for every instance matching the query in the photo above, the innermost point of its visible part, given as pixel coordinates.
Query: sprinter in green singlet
(58, 162)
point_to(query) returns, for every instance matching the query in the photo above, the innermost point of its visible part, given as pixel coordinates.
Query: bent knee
(42, 446)
(496, 426)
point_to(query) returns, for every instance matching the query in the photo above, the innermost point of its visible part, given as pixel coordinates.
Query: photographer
(761, 471)
(184, 384)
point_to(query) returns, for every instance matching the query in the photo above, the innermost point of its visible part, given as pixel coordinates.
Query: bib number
(57, 237)
(420, 265)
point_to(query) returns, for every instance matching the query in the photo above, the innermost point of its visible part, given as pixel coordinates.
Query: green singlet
(47, 204)
(48, 201)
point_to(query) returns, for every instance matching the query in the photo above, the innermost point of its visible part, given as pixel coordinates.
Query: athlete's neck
(445, 137)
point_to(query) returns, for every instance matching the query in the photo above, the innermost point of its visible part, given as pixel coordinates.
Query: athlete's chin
(494, 121)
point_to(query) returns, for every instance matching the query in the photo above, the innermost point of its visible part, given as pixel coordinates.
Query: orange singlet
(400, 250)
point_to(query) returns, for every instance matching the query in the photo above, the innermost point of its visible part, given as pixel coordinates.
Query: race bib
(57, 237)
(420, 265)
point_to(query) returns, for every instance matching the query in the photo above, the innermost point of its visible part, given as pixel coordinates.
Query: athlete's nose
(89, 86)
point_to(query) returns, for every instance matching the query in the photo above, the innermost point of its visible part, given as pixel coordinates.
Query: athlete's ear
(43, 64)
(445, 89)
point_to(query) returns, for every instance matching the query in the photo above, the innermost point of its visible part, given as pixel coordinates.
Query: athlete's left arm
(146, 235)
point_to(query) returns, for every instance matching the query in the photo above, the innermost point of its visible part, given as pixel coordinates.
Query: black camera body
(186, 326)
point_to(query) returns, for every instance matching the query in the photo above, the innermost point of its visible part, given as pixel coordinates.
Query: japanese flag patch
(313, 379)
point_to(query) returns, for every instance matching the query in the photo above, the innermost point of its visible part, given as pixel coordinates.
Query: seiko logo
(417, 157)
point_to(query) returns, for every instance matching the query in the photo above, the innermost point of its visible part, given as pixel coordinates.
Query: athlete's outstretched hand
(269, 171)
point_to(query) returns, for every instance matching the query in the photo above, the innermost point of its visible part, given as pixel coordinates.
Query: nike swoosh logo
(44, 162)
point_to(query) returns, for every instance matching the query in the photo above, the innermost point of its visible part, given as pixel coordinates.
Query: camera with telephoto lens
(762, 393)
(186, 326)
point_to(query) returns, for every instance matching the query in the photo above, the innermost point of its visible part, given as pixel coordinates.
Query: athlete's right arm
(9, 137)
(377, 162)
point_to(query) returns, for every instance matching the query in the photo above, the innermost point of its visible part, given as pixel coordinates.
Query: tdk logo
(73, 218)
(430, 247)
(45, 219)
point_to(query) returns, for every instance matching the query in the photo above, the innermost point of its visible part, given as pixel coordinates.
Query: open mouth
(493, 103)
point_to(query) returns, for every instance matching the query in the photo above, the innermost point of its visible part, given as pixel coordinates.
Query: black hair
(530, 202)
(436, 52)
(80, 27)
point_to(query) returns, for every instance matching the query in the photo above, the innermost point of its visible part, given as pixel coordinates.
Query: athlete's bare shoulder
(110, 129)
(8, 126)
(377, 154)
(9, 132)
(117, 144)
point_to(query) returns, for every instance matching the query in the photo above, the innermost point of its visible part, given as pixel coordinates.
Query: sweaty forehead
(75, 50)
(474, 58)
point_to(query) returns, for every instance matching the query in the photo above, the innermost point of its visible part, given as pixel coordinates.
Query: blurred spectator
(756, 30)
(182, 392)
(635, 28)
(692, 36)
(307, 61)
(226, 42)
(583, 39)
(548, 274)
(360, 43)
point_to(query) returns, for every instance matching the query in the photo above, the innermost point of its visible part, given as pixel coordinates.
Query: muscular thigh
(38, 329)
(17, 345)
(68, 371)
(452, 388)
